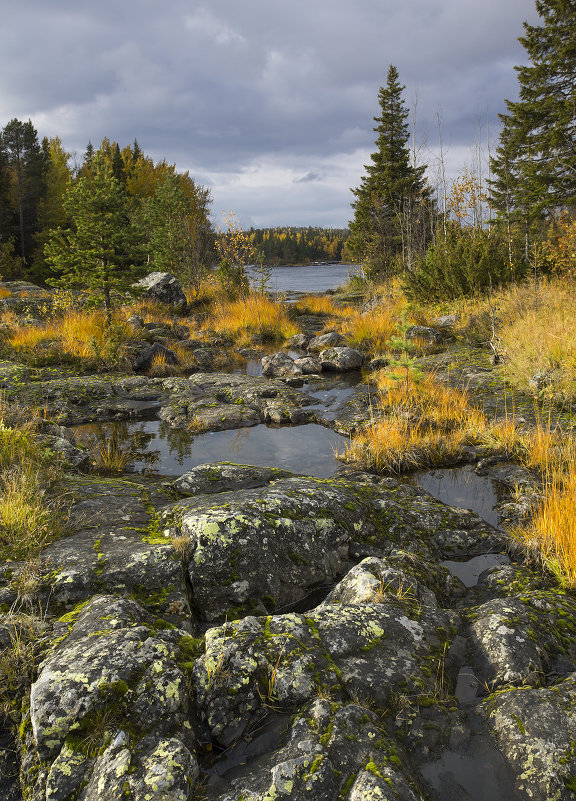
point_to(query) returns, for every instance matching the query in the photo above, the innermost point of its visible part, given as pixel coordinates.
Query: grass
(112, 456)
(254, 319)
(420, 424)
(370, 331)
(428, 425)
(30, 514)
(78, 335)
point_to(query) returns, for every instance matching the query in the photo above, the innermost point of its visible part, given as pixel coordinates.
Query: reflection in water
(462, 487)
(302, 449)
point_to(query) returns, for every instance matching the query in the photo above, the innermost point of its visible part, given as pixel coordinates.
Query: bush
(460, 262)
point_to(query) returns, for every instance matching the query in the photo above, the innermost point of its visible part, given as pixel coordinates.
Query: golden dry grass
(252, 319)
(369, 331)
(78, 334)
(539, 336)
(111, 456)
(318, 304)
(424, 424)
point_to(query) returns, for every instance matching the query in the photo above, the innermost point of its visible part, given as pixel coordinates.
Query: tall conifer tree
(98, 252)
(534, 170)
(26, 163)
(391, 188)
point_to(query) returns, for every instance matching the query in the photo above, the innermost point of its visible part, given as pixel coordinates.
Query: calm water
(461, 487)
(312, 278)
(169, 451)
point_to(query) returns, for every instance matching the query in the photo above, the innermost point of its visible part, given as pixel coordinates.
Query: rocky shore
(247, 633)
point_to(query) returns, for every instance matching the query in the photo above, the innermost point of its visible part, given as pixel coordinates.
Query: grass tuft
(254, 319)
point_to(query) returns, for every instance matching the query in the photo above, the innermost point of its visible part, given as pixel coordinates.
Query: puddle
(461, 487)
(469, 571)
(253, 748)
(477, 773)
(169, 451)
(467, 685)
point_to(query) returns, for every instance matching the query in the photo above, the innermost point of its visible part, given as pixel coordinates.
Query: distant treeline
(298, 245)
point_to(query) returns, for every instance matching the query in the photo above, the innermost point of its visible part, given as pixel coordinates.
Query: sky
(270, 103)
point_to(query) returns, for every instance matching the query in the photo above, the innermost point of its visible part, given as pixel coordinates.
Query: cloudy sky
(268, 102)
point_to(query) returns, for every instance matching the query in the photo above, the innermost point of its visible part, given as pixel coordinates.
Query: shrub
(462, 262)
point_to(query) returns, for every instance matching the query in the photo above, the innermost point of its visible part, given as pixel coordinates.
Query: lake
(310, 278)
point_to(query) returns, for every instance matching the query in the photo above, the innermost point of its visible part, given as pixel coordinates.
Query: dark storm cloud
(270, 103)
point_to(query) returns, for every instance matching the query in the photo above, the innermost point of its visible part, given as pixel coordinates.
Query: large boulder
(109, 710)
(258, 550)
(330, 340)
(280, 364)
(340, 360)
(164, 288)
(331, 751)
(535, 731)
(360, 650)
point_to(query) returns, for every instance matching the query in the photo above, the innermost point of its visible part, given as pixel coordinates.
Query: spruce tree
(98, 252)
(26, 162)
(534, 170)
(392, 189)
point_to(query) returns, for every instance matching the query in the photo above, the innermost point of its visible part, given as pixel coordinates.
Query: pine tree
(391, 189)
(98, 252)
(535, 165)
(26, 162)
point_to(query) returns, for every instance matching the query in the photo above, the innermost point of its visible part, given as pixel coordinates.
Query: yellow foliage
(255, 318)
(560, 247)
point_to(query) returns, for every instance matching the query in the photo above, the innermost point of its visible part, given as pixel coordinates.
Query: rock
(279, 364)
(113, 674)
(299, 341)
(164, 288)
(204, 358)
(287, 660)
(378, 363)
(330, 340)
(209, 479)
(219, 401)
(135, 322)
(13, 374)
(150, 355)
(429, 336)
(446, 321)
(535, 731)
(78, 458)
(260, 549)
(400, 575)
(518, 640)
(309, 365)
(341, 360)
(116, 547)
(542, 380)
(333, 750)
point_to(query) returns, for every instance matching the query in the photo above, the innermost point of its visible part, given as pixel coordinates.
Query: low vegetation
(253, 319)
(30, 513)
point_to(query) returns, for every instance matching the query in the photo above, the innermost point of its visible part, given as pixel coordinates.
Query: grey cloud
(225, 87)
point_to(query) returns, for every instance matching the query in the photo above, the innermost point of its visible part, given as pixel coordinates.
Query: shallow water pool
(169, 451)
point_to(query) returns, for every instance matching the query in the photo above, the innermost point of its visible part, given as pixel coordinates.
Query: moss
(347, 785)
(521, 727)
(373, 768)
(324, 739)
(72, 616)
